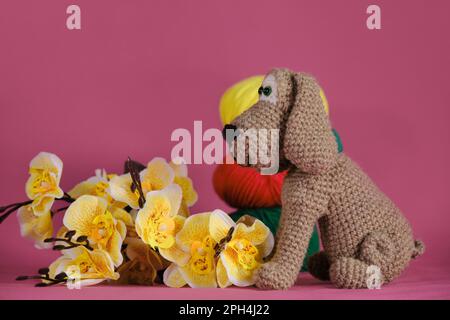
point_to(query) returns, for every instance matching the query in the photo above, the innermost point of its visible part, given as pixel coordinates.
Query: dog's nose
(228, 127)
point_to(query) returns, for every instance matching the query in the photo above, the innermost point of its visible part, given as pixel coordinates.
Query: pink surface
(139, 69)
(416, 283)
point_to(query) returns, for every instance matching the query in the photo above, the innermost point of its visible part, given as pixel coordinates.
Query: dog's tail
(418, 250)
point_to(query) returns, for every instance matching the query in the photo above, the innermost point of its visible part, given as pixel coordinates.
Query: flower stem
(4, 208)
(11, 210)
(69, 242)
(62, 209)
(59, 210)
(67, 198)
(59, 278)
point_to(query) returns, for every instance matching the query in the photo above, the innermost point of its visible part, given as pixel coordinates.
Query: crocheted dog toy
(360, 228)
(244, 188)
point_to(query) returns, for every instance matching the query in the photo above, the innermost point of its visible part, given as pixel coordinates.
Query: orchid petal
(219, 224)
(173, 278)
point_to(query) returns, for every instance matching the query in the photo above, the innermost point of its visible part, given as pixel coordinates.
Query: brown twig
(136, 184)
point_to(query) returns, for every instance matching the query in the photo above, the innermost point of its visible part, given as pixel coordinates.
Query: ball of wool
(242, 187)
(239, 98)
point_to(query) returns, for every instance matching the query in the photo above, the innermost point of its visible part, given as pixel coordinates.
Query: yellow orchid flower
(118, 214)
(91, 267)
(243, 249)
(97, 185)
(34, 227)
(43, 184)
(199, 269)
(89, 216)
(181, 178)
(156, 176)
(156, 223)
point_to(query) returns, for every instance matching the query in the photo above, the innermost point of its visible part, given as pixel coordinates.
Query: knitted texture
(319, 266)
(359, 226)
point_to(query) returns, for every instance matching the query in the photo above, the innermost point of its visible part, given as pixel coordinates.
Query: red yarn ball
(242, 187)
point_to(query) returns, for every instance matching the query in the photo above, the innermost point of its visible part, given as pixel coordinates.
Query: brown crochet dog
(359, 225)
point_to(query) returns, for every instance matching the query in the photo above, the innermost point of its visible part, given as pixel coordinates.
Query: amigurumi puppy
(361, 229)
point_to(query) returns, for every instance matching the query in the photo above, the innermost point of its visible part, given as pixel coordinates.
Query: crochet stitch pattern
(359, 225)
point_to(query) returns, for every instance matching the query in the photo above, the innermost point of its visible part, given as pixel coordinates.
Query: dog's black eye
(267, 91)
(260, 90)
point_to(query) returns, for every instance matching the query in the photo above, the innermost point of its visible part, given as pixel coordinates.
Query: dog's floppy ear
(309, 143)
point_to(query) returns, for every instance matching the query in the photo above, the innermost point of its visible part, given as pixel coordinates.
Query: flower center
(149, 185)
(102, 228)
(44, 181)
(202, 256)
(247, 253)
(82, 265)
(161, 227)
(160, 232)
(100, 190)
(151, 182)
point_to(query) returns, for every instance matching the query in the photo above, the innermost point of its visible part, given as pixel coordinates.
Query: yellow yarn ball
(324, 101)
(244, 94)
(239, 98)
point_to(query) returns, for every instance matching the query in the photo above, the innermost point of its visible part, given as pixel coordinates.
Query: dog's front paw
(272, 276)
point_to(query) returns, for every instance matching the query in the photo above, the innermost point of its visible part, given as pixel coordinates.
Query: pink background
(139, 69)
